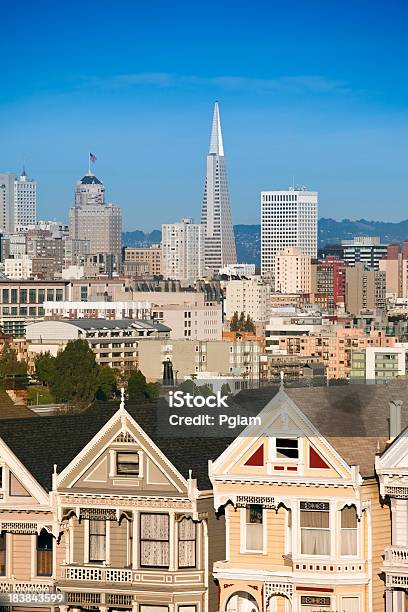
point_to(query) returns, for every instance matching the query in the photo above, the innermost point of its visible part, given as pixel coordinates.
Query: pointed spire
(216, 146)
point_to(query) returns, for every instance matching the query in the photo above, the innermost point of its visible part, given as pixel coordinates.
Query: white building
(98, 310)
(292, 322)
(239, 269)
(216, 214)
(25, 200)
(292, 271)
(21, 267)
(288, 219)
(251, 296)
(183, 251)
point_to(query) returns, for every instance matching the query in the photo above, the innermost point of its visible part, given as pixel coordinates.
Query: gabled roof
(353, 418)
(44, 441)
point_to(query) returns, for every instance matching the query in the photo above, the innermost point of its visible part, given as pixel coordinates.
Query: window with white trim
(97, 541)
(154, 540)
(254, 528)
(127, 464)
(186, 543)
(349, 526)
(315, 528)
(287, 448)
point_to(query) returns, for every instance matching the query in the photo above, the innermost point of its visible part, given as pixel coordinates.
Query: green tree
(12, 371)
(152, 390)
(137, 386)
(226, 389)
(107, 383)
(241, 322)
(249, 325)
(76, 374)
(45, 368)
(234, 322)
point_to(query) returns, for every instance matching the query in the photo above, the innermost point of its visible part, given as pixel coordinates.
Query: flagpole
(89, 163)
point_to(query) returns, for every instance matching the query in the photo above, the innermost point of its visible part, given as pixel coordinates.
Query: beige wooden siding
(78, 533)
(275, 540)
(216, 546)
(21, 545)
(381, 537)
(118, 543)
(60, 553)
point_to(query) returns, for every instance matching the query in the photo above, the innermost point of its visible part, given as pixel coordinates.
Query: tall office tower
(91, 219)
(183, 251)
(216, 217)
(7, 181)
(367, 249)
(25, 201)
(288, 219)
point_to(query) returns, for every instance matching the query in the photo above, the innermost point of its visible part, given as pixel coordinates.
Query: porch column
(388, 600)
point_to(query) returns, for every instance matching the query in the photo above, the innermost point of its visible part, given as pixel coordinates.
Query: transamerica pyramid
(216, 211)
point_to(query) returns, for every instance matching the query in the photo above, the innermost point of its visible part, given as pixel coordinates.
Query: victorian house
(95, 508)
(392, 470)
(305, 525)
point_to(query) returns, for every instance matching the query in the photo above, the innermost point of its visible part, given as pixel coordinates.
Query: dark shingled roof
(10, 410)
(90, 179)
(353, 418)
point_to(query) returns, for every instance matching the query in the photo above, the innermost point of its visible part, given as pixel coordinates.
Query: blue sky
(307, 88)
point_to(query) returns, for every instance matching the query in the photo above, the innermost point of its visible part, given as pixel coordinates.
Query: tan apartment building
(292, 271)
(115, 343)
(334, 347)
(190, 357)
(250, 296)
(305, 528)
(365, 289)
(142, 260)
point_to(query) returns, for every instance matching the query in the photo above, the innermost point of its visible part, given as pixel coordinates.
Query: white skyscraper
(183, 251)
(216, 215)
(25, 201)
(288, 219)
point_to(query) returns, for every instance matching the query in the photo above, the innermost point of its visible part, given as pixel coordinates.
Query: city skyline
(326, 111)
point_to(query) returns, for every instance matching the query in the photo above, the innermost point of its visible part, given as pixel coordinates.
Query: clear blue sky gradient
(307, 88)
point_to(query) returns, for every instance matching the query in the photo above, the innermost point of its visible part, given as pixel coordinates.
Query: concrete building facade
(183, 251)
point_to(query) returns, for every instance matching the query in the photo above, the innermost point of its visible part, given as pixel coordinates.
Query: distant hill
(330, 231)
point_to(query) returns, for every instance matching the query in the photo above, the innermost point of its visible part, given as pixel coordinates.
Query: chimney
(395, 418)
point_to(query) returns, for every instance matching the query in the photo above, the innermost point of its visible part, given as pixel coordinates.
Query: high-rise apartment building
(250, 296)
(367, 249)
(18, 201)
(288, 219)
(183, 250)
(94, 220)
(142, 260)
(365, 289)
(216, 215)
(292, 271)
(25, 201)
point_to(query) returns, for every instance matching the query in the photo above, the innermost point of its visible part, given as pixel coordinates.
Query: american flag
(92, 157)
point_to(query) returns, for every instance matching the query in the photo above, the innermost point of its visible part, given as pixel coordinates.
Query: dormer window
(127, 464)
(287, 448)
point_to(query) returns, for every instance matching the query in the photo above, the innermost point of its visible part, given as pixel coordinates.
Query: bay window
(97, 541)
(154, 540)
(315, 528)
(254, 528)
(44, 553)
(187, 543)
(349, 531)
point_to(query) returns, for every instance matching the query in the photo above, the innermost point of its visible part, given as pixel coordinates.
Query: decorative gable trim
(123, 420)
